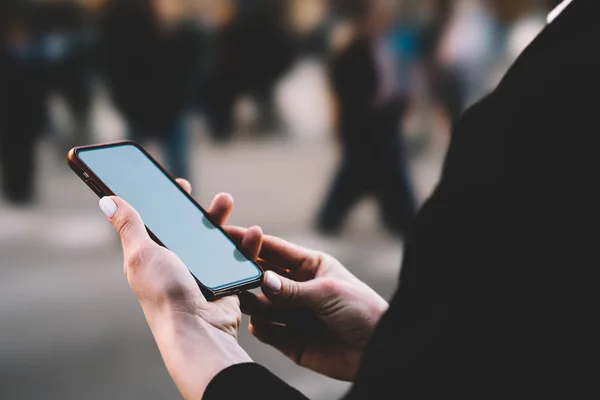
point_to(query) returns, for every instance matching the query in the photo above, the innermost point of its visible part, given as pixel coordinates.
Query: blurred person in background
(497, 292)
(252, 48)
(46, 51)
(150, 58)
(462, 55)
(310, 22)
(23, 90)
(434, 17)
(68, 44)
(370, 106)
(403, 38)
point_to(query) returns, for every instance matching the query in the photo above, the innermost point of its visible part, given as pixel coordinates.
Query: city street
(69, 326)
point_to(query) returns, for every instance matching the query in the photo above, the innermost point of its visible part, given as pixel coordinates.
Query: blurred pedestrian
(66, 45)
(22, 100)
(435, 17)
(150, 59)
(310, 23)
(370, 107)
(463, 56)
(404, 40)
(44, 51)
(252, 49)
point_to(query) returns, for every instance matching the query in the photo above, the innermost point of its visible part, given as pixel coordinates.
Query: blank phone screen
(175, 220)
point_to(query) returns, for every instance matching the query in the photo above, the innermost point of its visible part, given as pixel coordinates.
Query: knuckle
(125, 226)
(329, 287)
(319, 257)
(316, 259)
(140, 256)
(315, 264)
(293, 291)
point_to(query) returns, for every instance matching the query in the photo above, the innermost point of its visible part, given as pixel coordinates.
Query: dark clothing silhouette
(497, 295)
(151, 74)
(69, 71)
(445, 83)
(40, 52)
(373, 153)
(22, 119)
(250, 56)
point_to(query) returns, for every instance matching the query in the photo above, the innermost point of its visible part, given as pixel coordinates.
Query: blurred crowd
(163, 60)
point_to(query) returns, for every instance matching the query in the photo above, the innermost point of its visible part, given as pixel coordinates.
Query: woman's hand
(320, 315)
(197, 338)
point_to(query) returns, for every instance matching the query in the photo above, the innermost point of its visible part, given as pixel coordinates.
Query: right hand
(320, 315)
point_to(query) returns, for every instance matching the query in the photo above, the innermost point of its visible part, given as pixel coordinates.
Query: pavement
(69, 326)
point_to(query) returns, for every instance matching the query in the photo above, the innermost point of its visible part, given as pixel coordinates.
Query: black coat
(497, 295)
(366, 127)
(151, 76)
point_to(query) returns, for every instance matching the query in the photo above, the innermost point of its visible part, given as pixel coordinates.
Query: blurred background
(327, 120)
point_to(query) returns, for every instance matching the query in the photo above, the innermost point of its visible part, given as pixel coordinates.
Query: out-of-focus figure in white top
(467, 45)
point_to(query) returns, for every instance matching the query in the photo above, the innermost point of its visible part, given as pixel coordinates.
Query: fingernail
(272, 281)
(108, 207)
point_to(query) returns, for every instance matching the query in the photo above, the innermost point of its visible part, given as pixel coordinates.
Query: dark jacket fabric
(151, 74)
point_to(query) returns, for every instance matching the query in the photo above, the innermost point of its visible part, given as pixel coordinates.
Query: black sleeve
(237, 381)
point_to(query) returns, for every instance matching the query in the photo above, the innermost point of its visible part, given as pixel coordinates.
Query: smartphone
(172, 217)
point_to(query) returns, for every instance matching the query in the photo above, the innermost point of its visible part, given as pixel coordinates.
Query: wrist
(194, 351)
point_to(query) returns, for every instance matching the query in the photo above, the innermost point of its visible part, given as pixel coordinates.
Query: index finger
(221, 208)
(281, 253)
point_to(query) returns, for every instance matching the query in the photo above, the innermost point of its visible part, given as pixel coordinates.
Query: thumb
(283, 291)
(126, 221)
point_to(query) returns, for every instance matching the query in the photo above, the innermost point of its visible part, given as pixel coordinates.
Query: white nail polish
(108, 207)
(272, 281)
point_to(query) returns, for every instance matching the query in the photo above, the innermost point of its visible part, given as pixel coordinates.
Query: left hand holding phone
(197, 338)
